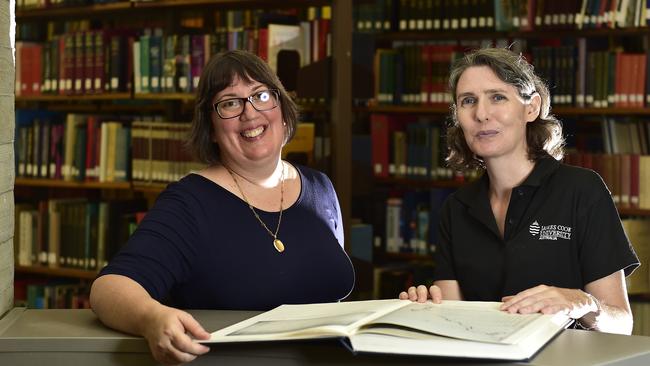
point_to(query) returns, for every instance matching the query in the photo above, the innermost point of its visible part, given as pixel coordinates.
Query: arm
(123, 304)
(603, 307)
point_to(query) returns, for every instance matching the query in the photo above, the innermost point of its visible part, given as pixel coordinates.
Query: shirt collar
(472, 193)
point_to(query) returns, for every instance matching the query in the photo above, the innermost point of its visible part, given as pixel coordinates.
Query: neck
(266, 176)
(505, 174)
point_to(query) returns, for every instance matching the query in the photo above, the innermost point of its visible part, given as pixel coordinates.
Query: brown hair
(217, 75)
(543, 136)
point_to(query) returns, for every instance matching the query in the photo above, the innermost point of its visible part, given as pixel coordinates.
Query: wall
(7, 174)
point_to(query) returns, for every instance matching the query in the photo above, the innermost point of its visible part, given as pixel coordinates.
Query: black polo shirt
(562, 229)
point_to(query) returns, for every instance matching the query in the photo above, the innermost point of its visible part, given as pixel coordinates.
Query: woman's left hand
(550, 300)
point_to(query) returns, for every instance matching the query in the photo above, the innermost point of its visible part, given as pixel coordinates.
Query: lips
(487, 133)
(253, 132)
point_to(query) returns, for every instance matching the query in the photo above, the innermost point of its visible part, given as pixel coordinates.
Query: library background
(104, 97)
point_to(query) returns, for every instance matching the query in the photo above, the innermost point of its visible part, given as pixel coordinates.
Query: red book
(640, 78)
(36, 69)
(624, 181)
(382, 128)
(89, 61)
(262, 45)
(91, 134)
(324, 37)
(79, 62)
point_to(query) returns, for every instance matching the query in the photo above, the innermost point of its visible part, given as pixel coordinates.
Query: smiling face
(254, 137)
(492, 114)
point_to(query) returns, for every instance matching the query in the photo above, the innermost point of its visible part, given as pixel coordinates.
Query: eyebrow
(488, 91)
(232, 95)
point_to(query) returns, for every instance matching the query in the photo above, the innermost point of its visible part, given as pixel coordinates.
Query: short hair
(217, 75)
(543, 136)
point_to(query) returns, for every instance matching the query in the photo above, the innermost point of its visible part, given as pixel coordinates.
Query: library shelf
(237, 3)
(413, 257)
(66, 11)
(628, 211)
(149, 187)
(56, 97)
(57, 272)
(185, 97)
(55, 183)
(559, 110)
(535, 34)
(418, 183)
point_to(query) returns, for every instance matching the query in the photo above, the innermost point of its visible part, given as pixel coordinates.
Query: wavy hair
(543, 135)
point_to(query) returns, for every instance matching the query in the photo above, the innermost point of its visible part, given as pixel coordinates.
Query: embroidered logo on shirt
(534, 228)
(550, 232)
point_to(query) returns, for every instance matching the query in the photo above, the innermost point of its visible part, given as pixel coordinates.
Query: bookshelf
(171, 16)
(405, 29)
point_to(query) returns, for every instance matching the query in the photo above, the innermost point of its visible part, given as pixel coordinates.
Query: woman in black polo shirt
(536, 234)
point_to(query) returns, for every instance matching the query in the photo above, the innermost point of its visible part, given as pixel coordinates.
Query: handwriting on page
(473, 323)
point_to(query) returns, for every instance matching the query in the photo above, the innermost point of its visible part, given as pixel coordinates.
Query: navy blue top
(200, 247)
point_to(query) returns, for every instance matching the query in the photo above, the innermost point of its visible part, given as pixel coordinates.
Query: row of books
(499, 15)
(73, 232)
(625, 135)
(410, 147)
(626, 175)
(44, 4)
(80, 60)
(107, 148)
(597, 79)
(41, 294)
(411, 221)
(81, 147)
(418, 74)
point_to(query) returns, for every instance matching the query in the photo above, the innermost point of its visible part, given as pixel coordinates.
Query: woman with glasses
(249, 232)
(534, 233)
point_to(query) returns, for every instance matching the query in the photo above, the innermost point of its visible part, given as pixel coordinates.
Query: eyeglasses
(262, 100)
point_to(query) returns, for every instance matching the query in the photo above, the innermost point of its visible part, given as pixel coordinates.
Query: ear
(533, 108)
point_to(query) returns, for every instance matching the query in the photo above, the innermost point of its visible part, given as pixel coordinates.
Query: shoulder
(313, 178)
(579, 180)
(191, 189)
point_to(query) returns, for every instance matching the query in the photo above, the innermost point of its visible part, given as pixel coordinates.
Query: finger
(413, 296)
(403, 295)
(507, 298)
(522, 295)
(193, 327)
(184, 344)
(436, 294)
(176, 356)
(422, 293)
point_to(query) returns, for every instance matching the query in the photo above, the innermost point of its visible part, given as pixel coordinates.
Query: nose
(249, 111)
(482, 111)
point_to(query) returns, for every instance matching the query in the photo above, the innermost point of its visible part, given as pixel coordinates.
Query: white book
(467, 329)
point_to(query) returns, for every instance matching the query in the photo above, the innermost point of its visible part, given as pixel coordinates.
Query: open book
(451, 329)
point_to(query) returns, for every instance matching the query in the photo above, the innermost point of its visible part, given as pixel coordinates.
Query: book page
(477, 321)
(306, 321)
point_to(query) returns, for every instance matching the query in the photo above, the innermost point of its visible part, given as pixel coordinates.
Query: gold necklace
(277, 243)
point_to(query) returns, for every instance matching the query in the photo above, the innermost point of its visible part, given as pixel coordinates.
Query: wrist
(589, 320)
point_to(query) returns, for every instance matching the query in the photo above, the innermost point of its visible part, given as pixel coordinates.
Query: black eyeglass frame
(275, 92)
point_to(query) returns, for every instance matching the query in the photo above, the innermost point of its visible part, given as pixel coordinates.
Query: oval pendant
(279, 246)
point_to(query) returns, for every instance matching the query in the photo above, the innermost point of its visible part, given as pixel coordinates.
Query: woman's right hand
(169, 333)
(420, 294)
